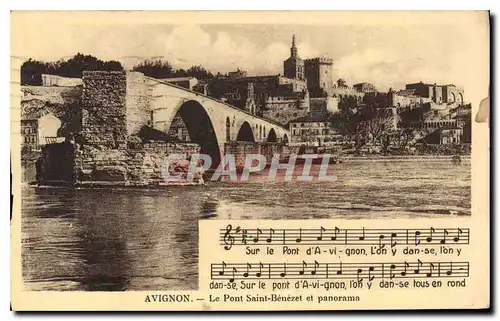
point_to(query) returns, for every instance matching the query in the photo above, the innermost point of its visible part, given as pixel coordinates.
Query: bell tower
(293, 67)
(293, 49)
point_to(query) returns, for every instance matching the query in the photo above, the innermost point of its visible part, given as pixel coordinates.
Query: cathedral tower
(294, 66)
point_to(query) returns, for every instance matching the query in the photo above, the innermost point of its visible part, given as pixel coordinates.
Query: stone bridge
(144, 100)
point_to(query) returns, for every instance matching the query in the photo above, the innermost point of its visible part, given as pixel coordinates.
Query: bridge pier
(240, 150)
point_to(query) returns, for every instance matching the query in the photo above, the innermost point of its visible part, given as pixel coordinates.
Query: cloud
(188, 45)
(386, 57)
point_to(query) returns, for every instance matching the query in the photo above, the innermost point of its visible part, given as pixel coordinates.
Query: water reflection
(136, 239)
(208, 208)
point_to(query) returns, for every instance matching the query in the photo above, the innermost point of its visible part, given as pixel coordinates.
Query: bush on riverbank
(453, 149)
(417, 150)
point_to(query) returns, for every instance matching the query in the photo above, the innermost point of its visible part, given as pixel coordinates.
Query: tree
(361, 127)
(163, 69)
(75, 66)
(32, 70)
(398, 138)
(155, 68)
(199, 72)
(404, 137)
(350, 125)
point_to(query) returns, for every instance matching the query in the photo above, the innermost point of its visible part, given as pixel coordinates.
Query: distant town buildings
(306, 94)
(313, 131)
(365, 87)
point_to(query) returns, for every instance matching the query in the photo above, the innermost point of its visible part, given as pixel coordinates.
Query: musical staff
(234, 236)
(338, 270)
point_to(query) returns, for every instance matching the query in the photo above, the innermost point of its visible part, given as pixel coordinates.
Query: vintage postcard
(250, 160)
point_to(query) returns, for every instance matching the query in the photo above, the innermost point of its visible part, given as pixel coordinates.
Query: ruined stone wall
(36, 102)
(104, 118)
(62, 102)
(142, 166)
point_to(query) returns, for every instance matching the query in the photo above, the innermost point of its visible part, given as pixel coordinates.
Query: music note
(248, 270)
(358, 274)
(316, 266)
(256, 238)
(335, 232)
(431, 268)
(457, 238)
(304, 264)
(228, 238)
(370, 276)
(380, 238)
(339, 271)
(417, 239)
(234, 272)
(299, 239)
(419, 264)
(321, 229)
(450, 270)
(393, 242)
(259, 274)
(270, 238)
(223, 268)
(429, 238)
(403, 273)
(362, 237)
(283, 274)
(445, 232)
(391, 269)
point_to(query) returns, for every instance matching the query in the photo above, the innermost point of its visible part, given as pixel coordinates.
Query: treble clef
(228, 238)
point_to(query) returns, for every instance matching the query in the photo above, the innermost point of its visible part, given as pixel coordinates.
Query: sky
(386, 55)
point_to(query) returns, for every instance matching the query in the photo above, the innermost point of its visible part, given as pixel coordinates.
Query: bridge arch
(271, 137)
(285, 139)
(200, 129)
(245, 134)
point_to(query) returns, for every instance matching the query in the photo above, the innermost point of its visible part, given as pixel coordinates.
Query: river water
(147, 239)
